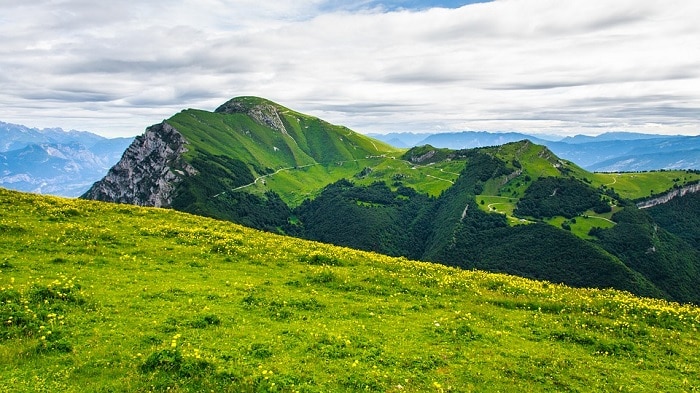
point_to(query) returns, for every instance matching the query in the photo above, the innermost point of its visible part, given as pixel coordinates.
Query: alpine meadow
(104, 297)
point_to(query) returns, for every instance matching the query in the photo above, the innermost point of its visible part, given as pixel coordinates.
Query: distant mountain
(16, 136)
(680, 159)
(610, 136)
(53, 161)
(608, 152)
(660, 152)
(402, 139)
(473, 139)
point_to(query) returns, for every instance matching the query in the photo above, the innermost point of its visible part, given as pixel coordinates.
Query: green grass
(431, 179)
(296, 184)
(643, 184)
(581, 225)
(501, 205)
(140, 299)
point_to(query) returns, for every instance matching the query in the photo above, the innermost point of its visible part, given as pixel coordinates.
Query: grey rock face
(693, 188)
(263, 114)
(148, 172)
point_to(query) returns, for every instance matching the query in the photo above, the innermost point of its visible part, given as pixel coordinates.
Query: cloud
(375, 66)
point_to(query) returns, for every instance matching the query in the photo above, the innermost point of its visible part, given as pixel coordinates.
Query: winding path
(285, 169)
(439, 178)
(268, 175)
(601, 218)
(615, 175)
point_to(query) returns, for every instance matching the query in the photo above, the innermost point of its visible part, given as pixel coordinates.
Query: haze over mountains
(608, 152)
(54, 161)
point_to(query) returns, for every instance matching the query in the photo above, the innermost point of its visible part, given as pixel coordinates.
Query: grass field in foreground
(104, 298)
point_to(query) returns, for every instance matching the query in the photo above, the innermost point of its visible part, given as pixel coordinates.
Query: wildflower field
(108, 298)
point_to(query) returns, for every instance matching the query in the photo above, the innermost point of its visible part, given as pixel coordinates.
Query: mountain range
(54, 161)
(516, 208)
(608, 152)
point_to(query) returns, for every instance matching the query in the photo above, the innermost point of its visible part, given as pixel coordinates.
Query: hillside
(545, 219)
(197, 160)
(257, 163)
(680, 217)
(104, 297)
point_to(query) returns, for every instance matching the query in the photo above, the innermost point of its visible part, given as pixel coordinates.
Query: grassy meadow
(635, 185)
(110, 298)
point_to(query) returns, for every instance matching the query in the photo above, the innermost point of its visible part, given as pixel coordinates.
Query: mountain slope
(259, 164)
(197, 160)
(452, 230)
(104, 297)
(680, 217)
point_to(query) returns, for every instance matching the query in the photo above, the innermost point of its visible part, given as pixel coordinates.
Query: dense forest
(558, 196)
(680, 217)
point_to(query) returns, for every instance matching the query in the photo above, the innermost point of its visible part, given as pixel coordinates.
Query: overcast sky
(537, 66)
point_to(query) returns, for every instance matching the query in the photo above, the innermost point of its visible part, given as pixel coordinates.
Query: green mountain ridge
(515, 208)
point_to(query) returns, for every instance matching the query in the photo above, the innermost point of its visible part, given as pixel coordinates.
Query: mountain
(54, 161)
(515, 208)
(610, 136)
(608, 152)
(15, 136)
(550, 195)
(102, 297)
(678, 152)
(402, 139)
(196, 161)
(472, 139)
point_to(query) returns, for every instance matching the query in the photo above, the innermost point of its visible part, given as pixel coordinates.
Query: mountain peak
(245, 104)
(263, 111)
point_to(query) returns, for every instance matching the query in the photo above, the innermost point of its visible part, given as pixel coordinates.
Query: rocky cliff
(148, 172)
(665, 198)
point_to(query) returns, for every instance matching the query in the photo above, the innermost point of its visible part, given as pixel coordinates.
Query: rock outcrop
(665, 198)
(264, 114)
(148, 172)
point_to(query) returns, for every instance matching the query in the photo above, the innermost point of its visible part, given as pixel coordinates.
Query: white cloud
(528, 65)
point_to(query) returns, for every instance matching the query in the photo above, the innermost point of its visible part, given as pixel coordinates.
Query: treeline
(680, 216)
(668, 261)
(373, 218)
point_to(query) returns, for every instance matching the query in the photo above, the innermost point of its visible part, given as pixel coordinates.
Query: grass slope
(301, 142)
(104, 297)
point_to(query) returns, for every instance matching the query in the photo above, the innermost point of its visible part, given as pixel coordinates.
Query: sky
(561, 67)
